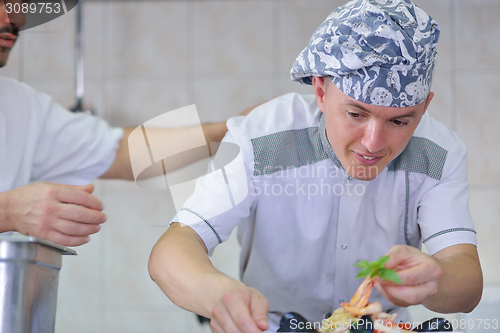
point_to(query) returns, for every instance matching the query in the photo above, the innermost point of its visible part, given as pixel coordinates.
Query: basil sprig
(376, 268)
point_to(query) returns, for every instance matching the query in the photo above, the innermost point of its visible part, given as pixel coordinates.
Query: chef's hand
(419, 274)
(241, 310)
(63, 214)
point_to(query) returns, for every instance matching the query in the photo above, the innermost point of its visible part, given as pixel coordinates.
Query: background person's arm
(449, 281)
(182, 136)
(180, 266)
(174, 137)
(66, 214)
(63, 214)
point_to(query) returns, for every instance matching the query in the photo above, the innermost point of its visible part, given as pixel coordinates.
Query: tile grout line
(453, 74)
(105, 103)
(277, 44)
(190, 29)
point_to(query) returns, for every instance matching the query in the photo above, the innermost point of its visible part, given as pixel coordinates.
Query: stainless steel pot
(29, 277)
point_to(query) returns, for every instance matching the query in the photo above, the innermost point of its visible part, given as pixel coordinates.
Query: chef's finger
(72, 228)
(223, 320)
(80, 214)
(237, 302)
(421, 270)
(216, 327)
(259, 308)
(242, 317)
(65, 240)
(78, 197)
(413, 266)
(408, 295)
(89, 188)
(400, 255)
(420, 274)
(381, 290)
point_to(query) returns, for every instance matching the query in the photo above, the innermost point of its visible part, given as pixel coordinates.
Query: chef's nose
(373, 137)
(15, 19)
(4, 18)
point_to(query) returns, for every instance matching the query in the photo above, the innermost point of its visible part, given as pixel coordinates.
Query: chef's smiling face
(365, 137)
(9, 29)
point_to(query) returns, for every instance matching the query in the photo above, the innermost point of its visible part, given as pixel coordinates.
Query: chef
(41, 141)
(300, 227)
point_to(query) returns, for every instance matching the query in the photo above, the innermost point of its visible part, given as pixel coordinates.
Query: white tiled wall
(144, 58)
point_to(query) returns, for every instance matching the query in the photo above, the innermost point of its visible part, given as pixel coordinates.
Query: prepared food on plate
(360, 312)
(359, 315)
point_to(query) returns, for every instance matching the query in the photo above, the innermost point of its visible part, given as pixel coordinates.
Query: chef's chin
(4, 55)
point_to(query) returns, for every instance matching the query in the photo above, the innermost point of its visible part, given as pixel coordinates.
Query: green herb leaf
(376, 268)
(375, 272)
(364, 272)
(362, 264)
(390, 275)
(382, 261)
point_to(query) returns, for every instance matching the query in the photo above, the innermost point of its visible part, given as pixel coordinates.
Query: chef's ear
(319, 91)
(428, 101)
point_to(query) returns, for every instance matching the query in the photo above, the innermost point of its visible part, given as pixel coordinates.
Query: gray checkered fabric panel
(287, 150)
(421, 156)
(326, 143)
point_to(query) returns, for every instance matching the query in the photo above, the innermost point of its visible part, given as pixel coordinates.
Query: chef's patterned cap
(379, 52)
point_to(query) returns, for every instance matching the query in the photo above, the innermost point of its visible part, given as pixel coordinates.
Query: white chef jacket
(303, 222)
(41, 141)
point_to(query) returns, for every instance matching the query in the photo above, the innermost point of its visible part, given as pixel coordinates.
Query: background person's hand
(63, 214)
(240, 310)
(419, 274)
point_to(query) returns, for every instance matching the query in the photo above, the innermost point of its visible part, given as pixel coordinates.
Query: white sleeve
(223, 197)
(443, 212)
(72, 148)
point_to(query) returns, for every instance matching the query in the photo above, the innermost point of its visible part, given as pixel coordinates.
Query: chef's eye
(354, 114)
(399, 122)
